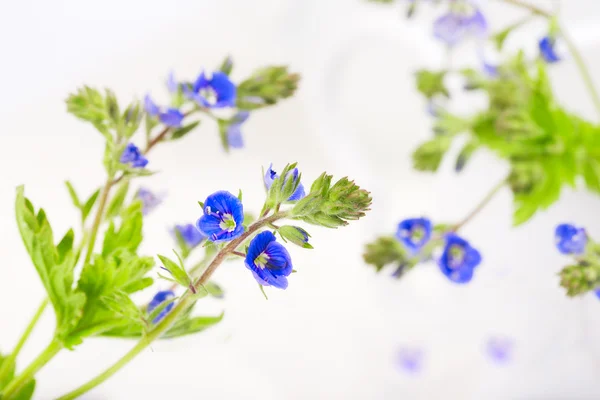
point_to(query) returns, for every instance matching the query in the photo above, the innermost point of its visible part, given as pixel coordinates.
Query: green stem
(98, 219)
(9, 361)
(17, 384)
(186, 301)
(479, 206)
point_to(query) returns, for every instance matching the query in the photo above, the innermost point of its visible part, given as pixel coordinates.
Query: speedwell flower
(157, 300)
(149, 200)
(414, 233)
(547, 49)
(234, 130)
(458, 259)
(570, 239)
(456, 25)
(214, 92)
(270, 176)
(190, 235)
(133, 156)
(170, 117)
(269, 261)
(223, 217)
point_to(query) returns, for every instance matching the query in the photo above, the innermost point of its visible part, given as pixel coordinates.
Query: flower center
(262, 260)
(209, 94)
(457, 256)
(417, 234)
(227, 223)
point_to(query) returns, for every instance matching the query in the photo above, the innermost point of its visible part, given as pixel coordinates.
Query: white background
(335, 332)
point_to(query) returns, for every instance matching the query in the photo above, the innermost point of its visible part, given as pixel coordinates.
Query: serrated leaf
(129, 234)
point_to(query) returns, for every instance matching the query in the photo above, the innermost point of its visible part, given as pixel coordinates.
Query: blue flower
(270, 176)
(234, 130)
(458, 259)
(453, 27)
(410, 359)
(149, 200)
(570, 239)
(172, 84)
(157, 300)
(223, 217)
(597, 292)
(414, 233)
(216, 92)
(499, 349)
(547, 50)
(133, 156)
(171, 116)
(190, 235)
(269, 261)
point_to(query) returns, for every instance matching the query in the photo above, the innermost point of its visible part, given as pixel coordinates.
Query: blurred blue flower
(133, 156)
(214, 92)
(499, 349)
(570, 239)
(234, 130)
(414, 233)
(149, 200)
(269, 261)
(456, 25)
(597, 292)
(172, 84)
(190, 234)
(170, 117)
(157, 300)
(410, 359)
(270, 176)
(547, 50)
(458, 259)
(223, 217)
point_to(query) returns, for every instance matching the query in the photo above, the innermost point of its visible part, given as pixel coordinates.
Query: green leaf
(431, 83)
(296, 235)
(385, 251)
(428, 156)
(89, 204)
(7, 376)
(266, 87)
(116, 204)
(181, 132)
(214, 290)
(226, 66)
(26, 392)
(89, 105)
(465, 154)
(73, 195)
(191, 325)
(129, 234)
(177, 271)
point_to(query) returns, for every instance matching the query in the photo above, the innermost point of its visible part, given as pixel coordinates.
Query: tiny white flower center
(227, 223)
(262, 260)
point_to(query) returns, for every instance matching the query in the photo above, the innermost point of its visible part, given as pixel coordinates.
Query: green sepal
(282, 187)
(296, 235)
(266, 87)
(226, 66)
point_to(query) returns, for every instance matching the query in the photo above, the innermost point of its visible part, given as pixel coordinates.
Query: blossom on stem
(133, 157)
(414, 233)
(269, 261)
(456, 25)
(149, 200)
(570, 239)
(547, 49)
(458, 259)
(157, 300)
(234, 130)
(171, 117)
(223, 217)
(216, 91)
(190, 234)
(270, 176)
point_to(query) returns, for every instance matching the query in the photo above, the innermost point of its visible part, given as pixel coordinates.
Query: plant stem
(583, 69)
(16, 384)
(98, 218)
(9, 361)
(479, 206)
(186, 300)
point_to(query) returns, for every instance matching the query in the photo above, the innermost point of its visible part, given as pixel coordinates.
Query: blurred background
(336, 332)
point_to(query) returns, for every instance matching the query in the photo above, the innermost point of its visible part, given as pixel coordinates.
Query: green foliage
(431, 83)
(129, 233)
(116, 204)
(86, 207)
(184, 130)
(10, 371)
(283, 187)
(25, 392)
(266, 87)
(177, 271)
(89, 105)
(330, 205)
(296, 235)
(580, 278)
(54, 264)
(226, 66)
(429, 155)
(385, 250)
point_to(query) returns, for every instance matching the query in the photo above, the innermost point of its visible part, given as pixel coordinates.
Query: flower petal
(280, 262)
(225, 89)
(172, 117)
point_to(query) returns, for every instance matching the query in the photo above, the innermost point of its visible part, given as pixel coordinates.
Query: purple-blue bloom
(597, 292)
(458, 259)
(234, 130)
(190, 234)
(414, 233)
(171, 116)
(454, 26)
(410, 359)
(270, 176)
(214, 92)
(223, 217)
(133, 156)
(149, 200)
(547, 50)
(172, 84)
(570, 239)
(499, 349)
(157, 300)
(269, 261)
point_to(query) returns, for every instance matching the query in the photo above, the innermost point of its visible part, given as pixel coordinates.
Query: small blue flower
(499, 349)
(458, 259)
(149, 200)
(414, 233)
(270, 176)
(597, 292)
(410, 360)
(234, 130)
(570, 239)
(216, 92)
(172, 84)
(133, 156)
(157, 300)
(547, 50)
(171, 116)
(269, 261)
(223, 217)
(453, 27)
(190, 235)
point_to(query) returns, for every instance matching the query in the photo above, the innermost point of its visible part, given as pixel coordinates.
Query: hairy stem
(479, 206)
(17, 384)
(9, 361)
(186, 301)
